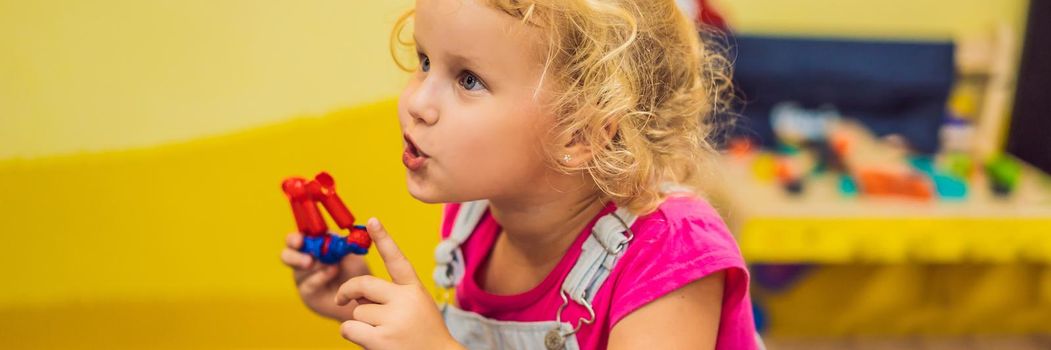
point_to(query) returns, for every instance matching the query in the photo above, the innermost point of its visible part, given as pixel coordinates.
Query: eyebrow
(456, 58)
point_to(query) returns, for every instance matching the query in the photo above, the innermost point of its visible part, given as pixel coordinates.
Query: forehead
(475, 30)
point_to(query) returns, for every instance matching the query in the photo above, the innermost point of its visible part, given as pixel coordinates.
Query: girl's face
(473, 112)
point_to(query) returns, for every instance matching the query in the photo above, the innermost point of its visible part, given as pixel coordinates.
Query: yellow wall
(112, 74)
(938, 19)
(142, 144)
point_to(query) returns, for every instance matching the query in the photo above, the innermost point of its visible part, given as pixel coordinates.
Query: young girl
(554, 128)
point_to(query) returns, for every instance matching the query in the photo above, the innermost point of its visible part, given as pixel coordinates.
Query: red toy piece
(304, 195)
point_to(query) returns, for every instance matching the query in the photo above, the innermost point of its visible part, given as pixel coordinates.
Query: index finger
(401, 271)
(294, 240)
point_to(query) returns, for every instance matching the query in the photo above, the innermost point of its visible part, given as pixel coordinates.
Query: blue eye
(425, 63)
(471, 82)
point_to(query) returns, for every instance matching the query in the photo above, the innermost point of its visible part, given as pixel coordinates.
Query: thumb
(401, 271)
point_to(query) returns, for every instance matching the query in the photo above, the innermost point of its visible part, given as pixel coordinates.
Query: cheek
(506, 148)
(485, 152)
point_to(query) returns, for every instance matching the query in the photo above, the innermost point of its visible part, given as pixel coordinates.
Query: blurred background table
(827, 265)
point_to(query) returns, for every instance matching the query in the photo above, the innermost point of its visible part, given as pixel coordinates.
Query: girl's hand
(392, 315)
(316, 282)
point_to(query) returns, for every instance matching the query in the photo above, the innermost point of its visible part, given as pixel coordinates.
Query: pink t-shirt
(681, 242)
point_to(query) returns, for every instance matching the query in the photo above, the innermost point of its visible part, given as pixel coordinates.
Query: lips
(413, 158)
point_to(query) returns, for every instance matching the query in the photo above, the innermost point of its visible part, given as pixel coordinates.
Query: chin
(431, 193)
(423, 193)
(427, 199)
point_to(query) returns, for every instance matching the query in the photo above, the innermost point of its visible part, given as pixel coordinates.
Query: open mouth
(411, 147)
(413, 157)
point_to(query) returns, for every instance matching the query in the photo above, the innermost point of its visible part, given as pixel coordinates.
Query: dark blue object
(338, 247)
(778, 277)
(892, 87)
(759, 316)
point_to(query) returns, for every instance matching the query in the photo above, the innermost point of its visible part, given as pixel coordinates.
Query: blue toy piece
(947, 186)
(847, 186)
(338, 247)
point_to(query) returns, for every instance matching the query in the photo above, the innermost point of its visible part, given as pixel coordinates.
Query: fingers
(358, 332)
(401, 271)
(296, 259)
(367, 287)
(316, 281)
(294, 240)
(291, 255)
(371, 314)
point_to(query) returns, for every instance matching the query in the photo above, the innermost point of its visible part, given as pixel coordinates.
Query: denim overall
(608, 240)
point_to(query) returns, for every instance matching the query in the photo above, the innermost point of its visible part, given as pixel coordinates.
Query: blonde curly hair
(636, 83)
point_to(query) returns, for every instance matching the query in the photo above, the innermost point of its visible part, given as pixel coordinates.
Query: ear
(574, 152)
(578, 150)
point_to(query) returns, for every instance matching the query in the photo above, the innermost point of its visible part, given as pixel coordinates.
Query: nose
(423, 102)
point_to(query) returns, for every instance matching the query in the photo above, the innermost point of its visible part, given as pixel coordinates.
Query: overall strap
(448, 255)
(599, 254)
(608, 240)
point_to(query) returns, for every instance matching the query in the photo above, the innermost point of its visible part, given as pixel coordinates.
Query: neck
(542, 227)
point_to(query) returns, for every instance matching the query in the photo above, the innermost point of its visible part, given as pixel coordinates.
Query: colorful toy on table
(959, 165)
(764, 168)
(878, 167)
(877, 181)
(819, 141)
(947, 185)
(847, 186)
(329, 248)
(741, 147)
(803, 143)
(955, 160)
(792, 167)
(1003, 173)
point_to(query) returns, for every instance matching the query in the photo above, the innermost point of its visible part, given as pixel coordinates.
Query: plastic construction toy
(1003, 172)
(325, 246)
